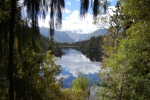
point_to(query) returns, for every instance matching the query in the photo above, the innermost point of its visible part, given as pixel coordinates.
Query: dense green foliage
(82, 84)
(49, 44)
(94, 44)
(20, 77)
(126, 63)
(16, 37)
(124, 71)
(80, 89)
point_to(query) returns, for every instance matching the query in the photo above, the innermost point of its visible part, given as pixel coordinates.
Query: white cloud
(68, 3)
(77, 0)
(73, 22)
(44, 23)
(111, 9)
(62, 76)
(104, 19)
(66, 11)
(72, 62)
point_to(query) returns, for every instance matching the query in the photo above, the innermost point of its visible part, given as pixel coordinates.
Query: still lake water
(74, 62)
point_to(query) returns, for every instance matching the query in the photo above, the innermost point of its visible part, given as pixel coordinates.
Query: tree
(125, 72)
(32, 10)
(119, 23)
(82, 84)
(132, 8)
(11, 10)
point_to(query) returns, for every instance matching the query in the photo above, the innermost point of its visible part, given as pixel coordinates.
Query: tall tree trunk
(11, 50)
(121, 87)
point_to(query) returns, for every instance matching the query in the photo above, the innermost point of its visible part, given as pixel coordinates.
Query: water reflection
(74, 62)
(92, 55)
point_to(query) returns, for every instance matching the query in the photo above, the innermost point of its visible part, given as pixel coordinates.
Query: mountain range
(71, 36)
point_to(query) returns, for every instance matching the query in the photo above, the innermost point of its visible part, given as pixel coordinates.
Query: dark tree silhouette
(34, 9)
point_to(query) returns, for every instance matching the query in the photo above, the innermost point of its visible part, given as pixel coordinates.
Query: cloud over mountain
(73, 22)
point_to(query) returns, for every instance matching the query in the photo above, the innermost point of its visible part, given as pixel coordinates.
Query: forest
(47, 43)
(125, 67)
(94, 44)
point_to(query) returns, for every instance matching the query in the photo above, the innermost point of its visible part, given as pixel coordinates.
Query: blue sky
(73, 5)
(71, 18)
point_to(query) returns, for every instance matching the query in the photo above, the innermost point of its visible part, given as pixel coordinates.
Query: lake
(74, 62)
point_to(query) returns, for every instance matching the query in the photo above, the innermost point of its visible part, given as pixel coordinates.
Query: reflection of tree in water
(76, 48)
(58, 54)
(92, 55)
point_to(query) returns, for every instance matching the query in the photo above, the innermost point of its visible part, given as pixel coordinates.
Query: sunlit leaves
(82, 84)
(127, 68)
(80, 89)
(126, 72)
(138, 9)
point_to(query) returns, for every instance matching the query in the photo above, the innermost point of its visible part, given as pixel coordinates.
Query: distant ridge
(77, 37)
(59, 36)
(62, 36)
(69, 36)
(97, 33)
